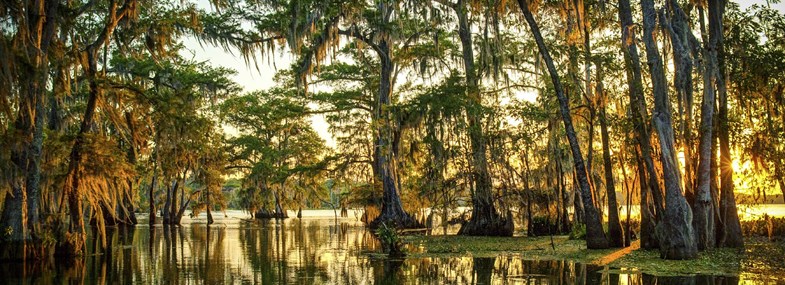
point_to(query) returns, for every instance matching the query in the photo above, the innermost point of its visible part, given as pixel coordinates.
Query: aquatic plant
(392, 243)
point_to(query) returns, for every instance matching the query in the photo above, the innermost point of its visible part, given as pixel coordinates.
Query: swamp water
(313, 250)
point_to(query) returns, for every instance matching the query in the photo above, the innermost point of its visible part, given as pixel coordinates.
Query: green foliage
(392, 243)
(276, 150)
(755, 64)
(578, 231)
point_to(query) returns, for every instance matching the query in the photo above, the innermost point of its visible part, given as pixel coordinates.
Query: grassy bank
(760, 257)
(526, 247)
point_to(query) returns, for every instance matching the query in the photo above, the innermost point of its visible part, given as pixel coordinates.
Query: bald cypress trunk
(384, 157)
(20, 206)
(73, 245)
(595, 236)
(730, 228)
(682, 44)
(279, 213)
(209, 206)
(615, 232)
(638, 111)
(126, 211)
(153, 186)
(674, 229)
(703, 205)
(648, 220)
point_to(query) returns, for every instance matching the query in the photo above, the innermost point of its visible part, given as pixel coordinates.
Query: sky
(252, 79)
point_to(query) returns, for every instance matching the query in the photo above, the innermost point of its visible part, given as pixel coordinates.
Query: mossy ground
(713, 262)
(761, 257)
(526, 247)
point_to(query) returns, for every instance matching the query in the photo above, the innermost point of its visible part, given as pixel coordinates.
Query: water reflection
(297, 251)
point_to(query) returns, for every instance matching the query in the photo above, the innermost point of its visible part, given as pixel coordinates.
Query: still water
(317, 249)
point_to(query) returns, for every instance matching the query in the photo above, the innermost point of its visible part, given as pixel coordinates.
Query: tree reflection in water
(297, 251)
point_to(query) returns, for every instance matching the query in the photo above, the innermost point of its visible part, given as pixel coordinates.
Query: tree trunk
(674, 229)
(683, 65)
(75, 238)
(15, 220)
(20, 206)
(648, 220)
(279, 213)
(584, 25)
(129, 215)
(628, 197)
(579, 213)
(33, 171)
(21, 202)
(384, 158)
(153, 185)
(615, 233)
(595, 236)
(209, 206)
(730, 234)
(173, 205)
(166, 210)
(485, 220)
(565, 198)
(638, 111)
(703, 206)
(181, 211)
(529, 194)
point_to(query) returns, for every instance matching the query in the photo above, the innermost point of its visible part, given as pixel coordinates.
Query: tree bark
(683, 65)
(730, 232)
(209, 206)
(703, 206)
(638, 112)
(172, 209)
(628, 197)
(674, 229)
(127, 209)
(20, 206)
(384, 158)
(279, 213)
(15, 220)
(153, 186)
(648, 238)
(166, 212)
(584, 25)
(578, 215)
(75, 238)
(565, 202)
(595, 236)
(615, 232)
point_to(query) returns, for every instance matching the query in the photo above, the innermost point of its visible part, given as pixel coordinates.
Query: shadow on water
(297, 251)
